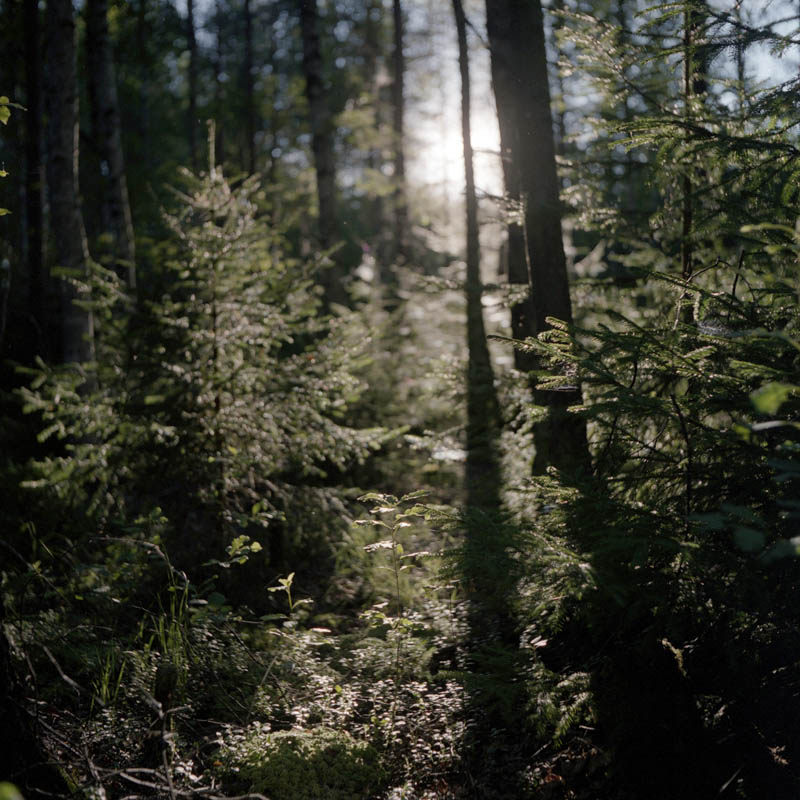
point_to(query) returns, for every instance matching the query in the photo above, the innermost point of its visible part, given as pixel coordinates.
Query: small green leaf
(375, 496)
(384, 545)
(414, 495)
(4, 211)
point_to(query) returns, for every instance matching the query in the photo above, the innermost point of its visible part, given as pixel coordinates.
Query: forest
(399, 399)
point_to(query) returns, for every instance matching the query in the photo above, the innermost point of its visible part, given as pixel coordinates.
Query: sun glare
(438, 156)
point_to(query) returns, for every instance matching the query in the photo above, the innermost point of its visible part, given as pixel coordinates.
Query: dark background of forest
(399, 399)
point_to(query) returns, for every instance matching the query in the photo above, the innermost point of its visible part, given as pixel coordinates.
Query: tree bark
(482, 469)
(322, 145)
(71, 250)
(34, 175)
(384, 239)
(522, 94)
(219, 155)
(191, 118)
(247, 80)
(695, 85)
(505, 85)
(107, 133)
(486, 566)
(398, 132)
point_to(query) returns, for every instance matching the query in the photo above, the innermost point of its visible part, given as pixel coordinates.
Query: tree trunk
(219, 156)
(517, 46)
(322, 145)
(482, 472)
(247, 80)
(488, 573)
(191, 120)
(695, 85)
(34, 176)
(384, 238)
(505, 84)
(107, 133)
(398, 133)
(71, 250)
(144, 67)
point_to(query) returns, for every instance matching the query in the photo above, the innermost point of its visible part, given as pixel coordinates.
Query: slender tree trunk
(143, 70)
(398, 122)
(191, 118)
(218, 93)
(517, 46)
(34, 177)
(482, 473)
(249, 97)
(740, 58)
(486, 567)
(694, 86)
(71, 249)
(107, 132)
(321, 144)
(384, 237)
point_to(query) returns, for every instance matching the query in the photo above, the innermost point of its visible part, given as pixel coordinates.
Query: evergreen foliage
(218, 402)
(295, 765)
(664, 581)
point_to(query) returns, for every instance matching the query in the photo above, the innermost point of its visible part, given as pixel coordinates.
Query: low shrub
(302, 764)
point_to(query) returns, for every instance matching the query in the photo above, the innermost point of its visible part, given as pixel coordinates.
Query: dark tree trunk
(517, 45)
(486, 566)
(321, 144)
(694, 86)
(191, 118)
(107, 134)
(219, 153)
(71, 250)
(249, 98)
(398, 132)
(382, 243)
(144, 76)
(482, 472)
(34, 176)
(523, 320)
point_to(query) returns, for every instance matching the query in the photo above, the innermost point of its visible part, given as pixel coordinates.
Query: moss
(303, 765)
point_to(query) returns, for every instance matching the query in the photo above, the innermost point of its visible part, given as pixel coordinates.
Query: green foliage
(221, 400)
(5, 114)
(659, 598)
(303, 765)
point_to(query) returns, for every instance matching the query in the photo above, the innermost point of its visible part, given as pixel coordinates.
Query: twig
(689, 456)
(71, 683)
